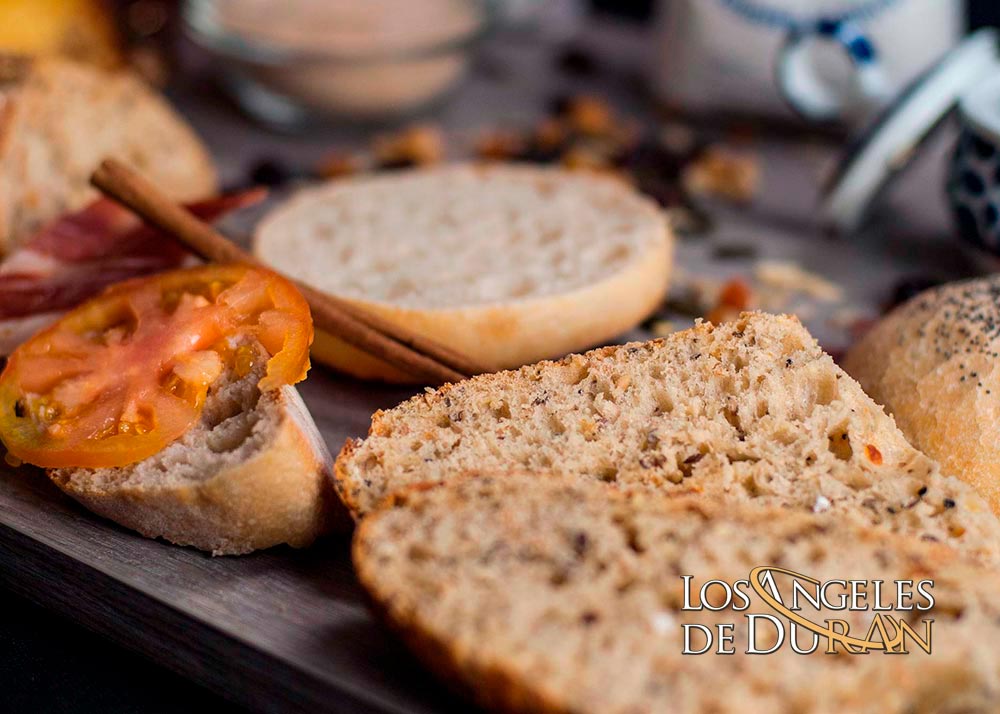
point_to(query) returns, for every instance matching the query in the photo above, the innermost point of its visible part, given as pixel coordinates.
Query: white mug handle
(815, 98)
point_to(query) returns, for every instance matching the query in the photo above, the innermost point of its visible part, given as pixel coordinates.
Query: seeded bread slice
(752, 410)
(508, 264)
(933, 364)
(58, 119)
(541, 595)
(253, 473)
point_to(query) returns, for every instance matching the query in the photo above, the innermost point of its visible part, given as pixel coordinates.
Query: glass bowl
(301, 61)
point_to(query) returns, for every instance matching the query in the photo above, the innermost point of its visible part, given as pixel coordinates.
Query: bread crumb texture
(551, 595)
(61, 118)
(461, 236)
(750, 411)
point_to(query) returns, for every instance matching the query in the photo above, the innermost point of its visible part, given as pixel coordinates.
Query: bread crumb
(417, 145)
(662, 328)
(787, 276)
(723, 173)
(590, 116)
(822, 504)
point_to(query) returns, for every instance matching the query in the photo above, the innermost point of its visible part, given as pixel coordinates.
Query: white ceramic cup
(840, 59)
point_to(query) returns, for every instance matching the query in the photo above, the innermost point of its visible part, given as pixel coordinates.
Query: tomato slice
(123, 375)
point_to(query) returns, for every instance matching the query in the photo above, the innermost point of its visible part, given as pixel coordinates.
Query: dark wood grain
(281, 630)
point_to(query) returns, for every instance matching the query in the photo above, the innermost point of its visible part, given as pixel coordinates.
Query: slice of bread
(507, 264)
(59, 119)
(540, 595)
(752, 410)
(933, 364)
(253, 473)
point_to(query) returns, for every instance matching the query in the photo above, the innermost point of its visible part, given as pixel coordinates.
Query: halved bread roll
(253, 473)
(507, 264)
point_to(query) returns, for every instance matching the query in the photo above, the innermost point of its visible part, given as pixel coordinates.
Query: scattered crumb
(844, 318)
(338, 164)
(734, 297)
(582, 157)
(662, 328)
(550, 134)
(500, 145)
(789, 277)
(416, 145)
(590, 115)
(723, 173)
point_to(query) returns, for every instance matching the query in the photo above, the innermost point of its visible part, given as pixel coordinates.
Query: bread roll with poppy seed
(933, 363)
(748, 411)
(535, 594)
(506, 264)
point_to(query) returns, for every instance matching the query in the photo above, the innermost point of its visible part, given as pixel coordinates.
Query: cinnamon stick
(403, 349)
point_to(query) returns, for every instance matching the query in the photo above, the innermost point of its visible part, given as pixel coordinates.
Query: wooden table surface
(288, 630)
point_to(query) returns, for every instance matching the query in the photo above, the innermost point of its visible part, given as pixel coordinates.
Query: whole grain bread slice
(59, 119)
(543, 594)
(748, 411)
(253, 473)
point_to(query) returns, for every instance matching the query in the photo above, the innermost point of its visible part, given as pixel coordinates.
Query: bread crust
(60, 118)
(512, 334)
(932, 364)
(280, 495)
(497, 688)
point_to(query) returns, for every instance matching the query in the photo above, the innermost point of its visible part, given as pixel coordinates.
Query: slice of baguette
(751, 410)
(541, 595)
(59, 119)
(508, 264)
(253, 473)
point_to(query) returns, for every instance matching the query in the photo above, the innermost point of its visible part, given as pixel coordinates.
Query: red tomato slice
(123, 375)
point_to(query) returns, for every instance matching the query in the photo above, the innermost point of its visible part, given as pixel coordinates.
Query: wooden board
(280, 630)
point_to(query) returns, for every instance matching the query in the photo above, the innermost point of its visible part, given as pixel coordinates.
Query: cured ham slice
(81, 253)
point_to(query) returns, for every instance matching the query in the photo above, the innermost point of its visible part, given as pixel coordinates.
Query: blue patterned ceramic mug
(974, 176)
